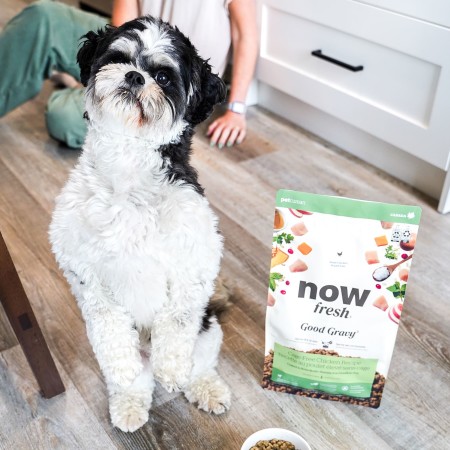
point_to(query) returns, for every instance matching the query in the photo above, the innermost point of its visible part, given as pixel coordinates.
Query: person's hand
(227, 130)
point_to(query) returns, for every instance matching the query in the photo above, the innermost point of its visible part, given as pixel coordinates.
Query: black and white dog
(132, 231)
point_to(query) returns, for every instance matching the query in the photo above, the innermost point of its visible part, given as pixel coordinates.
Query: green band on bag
(341, 206)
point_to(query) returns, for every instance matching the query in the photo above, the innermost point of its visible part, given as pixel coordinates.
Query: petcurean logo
(291, 200)
(410, 215)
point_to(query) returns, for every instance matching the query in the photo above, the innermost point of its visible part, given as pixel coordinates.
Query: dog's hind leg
(206, 388)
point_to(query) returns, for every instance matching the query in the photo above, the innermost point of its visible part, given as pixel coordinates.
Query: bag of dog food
(337, 285)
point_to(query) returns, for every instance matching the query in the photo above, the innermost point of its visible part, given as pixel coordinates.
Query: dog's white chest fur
(120, 217)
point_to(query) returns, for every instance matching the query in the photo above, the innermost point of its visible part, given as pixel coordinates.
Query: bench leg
(22, 319)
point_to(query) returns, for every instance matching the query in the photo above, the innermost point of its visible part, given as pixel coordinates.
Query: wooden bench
(23, 321)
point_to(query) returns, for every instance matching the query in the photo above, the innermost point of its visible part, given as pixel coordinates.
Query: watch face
(237, 107)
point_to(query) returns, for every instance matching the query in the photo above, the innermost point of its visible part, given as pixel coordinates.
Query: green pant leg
(64, 116)
(44, 36)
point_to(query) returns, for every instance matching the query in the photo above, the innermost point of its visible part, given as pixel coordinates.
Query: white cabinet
(402, 93)
(433, 11)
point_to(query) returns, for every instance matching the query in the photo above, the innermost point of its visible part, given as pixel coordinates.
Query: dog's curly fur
(131, 229)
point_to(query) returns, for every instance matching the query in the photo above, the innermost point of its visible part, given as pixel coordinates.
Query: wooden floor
(240, 184)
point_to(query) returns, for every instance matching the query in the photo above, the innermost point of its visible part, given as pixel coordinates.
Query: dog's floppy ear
(88, 51)
(211, 92)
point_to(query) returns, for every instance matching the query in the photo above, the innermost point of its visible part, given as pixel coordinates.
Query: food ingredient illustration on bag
(337, 285)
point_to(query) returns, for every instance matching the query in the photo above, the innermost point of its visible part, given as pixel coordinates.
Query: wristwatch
(237, 107)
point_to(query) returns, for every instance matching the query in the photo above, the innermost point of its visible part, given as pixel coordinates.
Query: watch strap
(237, 107)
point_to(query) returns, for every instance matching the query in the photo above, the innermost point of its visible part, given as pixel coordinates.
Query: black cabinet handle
(320, 55)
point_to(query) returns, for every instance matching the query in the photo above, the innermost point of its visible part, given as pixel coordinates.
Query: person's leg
(44, 36)
(64, 116)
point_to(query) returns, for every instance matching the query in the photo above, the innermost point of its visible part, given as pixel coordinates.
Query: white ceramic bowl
(276, 433)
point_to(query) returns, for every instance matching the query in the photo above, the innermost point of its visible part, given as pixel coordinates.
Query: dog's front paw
(124, 373)
(129, 411)
(172, 373)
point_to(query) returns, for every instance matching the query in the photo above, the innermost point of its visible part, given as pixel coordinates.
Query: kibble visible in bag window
(336, 296)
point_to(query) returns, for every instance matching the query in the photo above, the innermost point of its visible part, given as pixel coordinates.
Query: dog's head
(147, 75)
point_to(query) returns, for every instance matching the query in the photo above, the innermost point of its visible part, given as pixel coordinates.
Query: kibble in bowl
(275, 439)
(273, 444)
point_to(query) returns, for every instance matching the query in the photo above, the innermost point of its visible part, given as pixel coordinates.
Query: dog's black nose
(135, 78)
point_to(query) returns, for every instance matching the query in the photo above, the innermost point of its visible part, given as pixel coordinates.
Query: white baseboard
(252, 95)
(444, 202)
(420, 174)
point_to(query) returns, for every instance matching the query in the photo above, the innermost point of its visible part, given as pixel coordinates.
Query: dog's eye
(162, 78)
